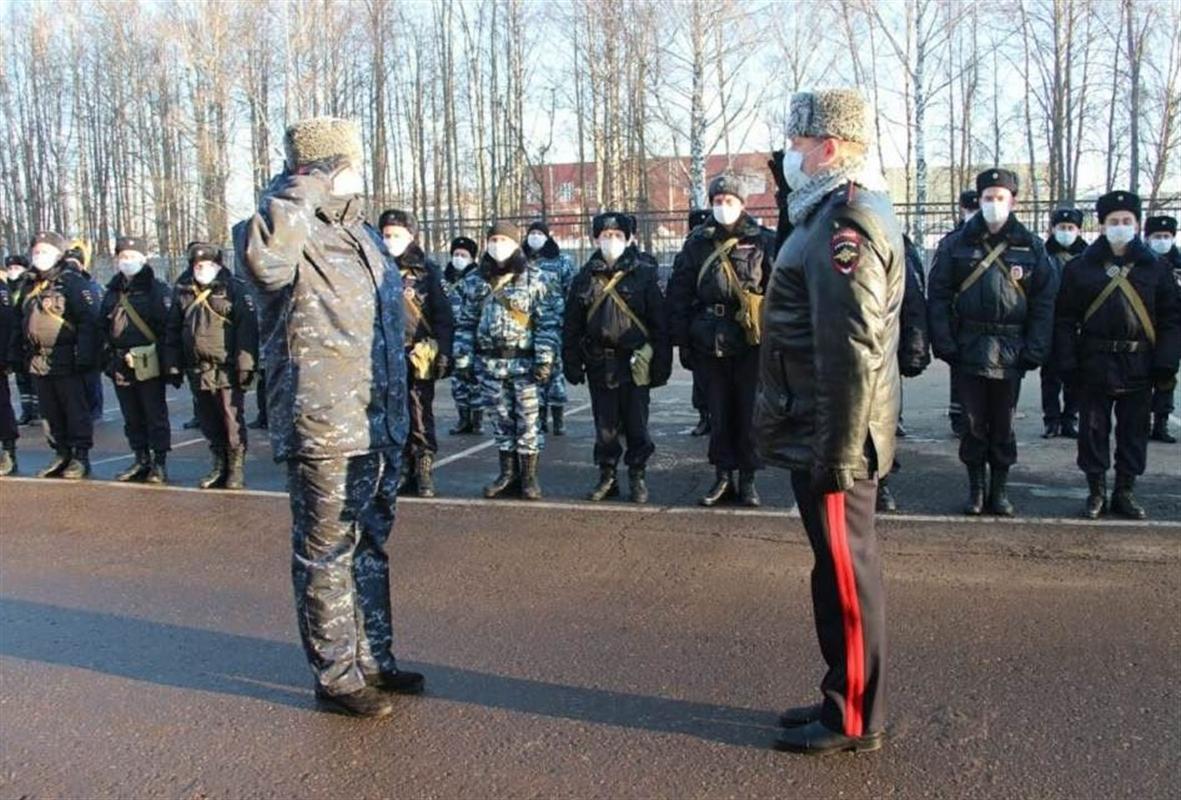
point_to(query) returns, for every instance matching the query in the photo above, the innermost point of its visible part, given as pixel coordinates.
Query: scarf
(802, 201)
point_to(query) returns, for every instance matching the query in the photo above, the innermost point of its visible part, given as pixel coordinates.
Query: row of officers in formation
(511, 321)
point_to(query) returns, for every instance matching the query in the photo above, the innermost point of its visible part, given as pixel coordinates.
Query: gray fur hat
(323, 138)
(830, 114)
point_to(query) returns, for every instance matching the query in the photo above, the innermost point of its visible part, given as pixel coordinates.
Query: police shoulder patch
(845, 246)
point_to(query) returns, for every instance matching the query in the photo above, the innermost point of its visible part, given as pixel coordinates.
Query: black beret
(464, 243)
(1118, 201)
(726, 184)
(538, 225)
(504, 228)
(51, 238)
(611, 221)
(997, 176)
(203, 251)
(698, 216)
(970, 199)
(136, 243)
(1071, 215)
(16, 258)
(396, 216)
(1160, 224)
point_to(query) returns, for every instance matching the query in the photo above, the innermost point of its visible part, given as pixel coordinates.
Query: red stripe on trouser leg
(838, 544)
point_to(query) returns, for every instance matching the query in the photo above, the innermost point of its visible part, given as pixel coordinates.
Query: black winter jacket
(150, 298)
(214, 341)
(914, 347)
(993, 329)
(422, 283)
(59, 324)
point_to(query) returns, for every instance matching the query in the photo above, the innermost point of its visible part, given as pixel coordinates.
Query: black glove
(1164, 379)
(782, 190)
(542, 371)
(176, 378)
(443, 366)
(575, 374)
(830, 481)
(686, 354)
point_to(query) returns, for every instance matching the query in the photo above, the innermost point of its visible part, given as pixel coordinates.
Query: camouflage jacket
(331, 318)
(511, 327)
(555, 264)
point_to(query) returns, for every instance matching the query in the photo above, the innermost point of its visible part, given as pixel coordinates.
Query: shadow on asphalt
(261, 669)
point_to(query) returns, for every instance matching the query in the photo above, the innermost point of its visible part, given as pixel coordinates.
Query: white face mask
(1161, 245)
(131, 266)
(501, 250)
(1064, 237)
(1119, 235)
(397, 244)
(205, 273)
(536, 240)
(460, 262)
(43, 262)
(348, 182)
(612, 248)
(995, 212)
(727, 215)
(793, 169)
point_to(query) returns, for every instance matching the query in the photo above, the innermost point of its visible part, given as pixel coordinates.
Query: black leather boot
(235, 468)
(191, 424)
(8, 458)
(1069, 429)
(1123, 501)
(637, 481)
(998, 495)
(508, 475)
(748, 495)
(702, 428)
(216, 477)
(79, 466)
(158, 470)
(607, 486)
(1052, 430)
(814, 739)
(530, 489)
(1160, 429)
(885, 503)
(367, 702)
(399, 681)
(723, 487)
(477, 421)
(1096, 495)
(800, 715)
(559, 414)
(426, 482)
(464, 425)
(976, 479)
(138, 469)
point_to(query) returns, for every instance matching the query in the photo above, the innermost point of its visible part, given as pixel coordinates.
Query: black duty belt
(992, 327)
(505, 352)
(1093, 345)
(716, 310)
(607, 353)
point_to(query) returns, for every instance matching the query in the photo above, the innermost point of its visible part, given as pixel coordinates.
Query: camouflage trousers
(466, 394)
(342, 512)
(554, 392)
(516, 424)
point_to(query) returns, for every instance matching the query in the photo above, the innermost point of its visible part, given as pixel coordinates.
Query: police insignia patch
(1017, 273)
(1112, 271)
(846, 250)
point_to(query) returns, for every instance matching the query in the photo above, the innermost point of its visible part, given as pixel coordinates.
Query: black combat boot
(235, 468)
(814, 739)
(79, 466)
(53, 468)
(998, 496)
(8, 457)
(723, 487)
(543, 418)
(800, 715)
(477, 421)
(637, 481)
(399, 681)
(530, 489)
(423, 467)
(259, 423)
(191, 424)
(1123, 502)
(885, 503)
(1069, 429)
(216, 477)
(138, 469)
(958, 425)
(367, 702)
(464, 424)
(559, 414)
(1052, 430)
(1160, 429)
(976, 480)
(1096, 495)
(508, 476)
(158, 470)
(748, 495)
(702, 428)
(607, 486)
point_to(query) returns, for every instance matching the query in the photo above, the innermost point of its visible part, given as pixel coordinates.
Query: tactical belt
(506, 352)
(993, 257)
(608, 352)
(1093, 345)
(992, 327)
(1120, 281)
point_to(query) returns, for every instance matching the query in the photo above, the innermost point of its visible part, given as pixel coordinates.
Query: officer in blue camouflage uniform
(543, 252)
(510, 324)
(466, 394)
(332, 333)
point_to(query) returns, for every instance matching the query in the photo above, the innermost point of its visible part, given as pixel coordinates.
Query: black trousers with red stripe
(848, 601)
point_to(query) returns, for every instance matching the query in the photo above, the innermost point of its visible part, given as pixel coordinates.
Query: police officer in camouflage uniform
(212, 337)
(466, 394)
(1160, 233)
(544, 253)
(332, 327)
(510, 324)
(427, 341)
(133, 318)
(1059, 411)
(16, 279)
(59, 345)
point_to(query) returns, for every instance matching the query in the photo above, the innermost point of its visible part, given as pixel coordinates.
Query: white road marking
(451, 459)
(113, 459)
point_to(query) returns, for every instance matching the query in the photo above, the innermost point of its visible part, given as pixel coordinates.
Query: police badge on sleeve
(846, 250)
